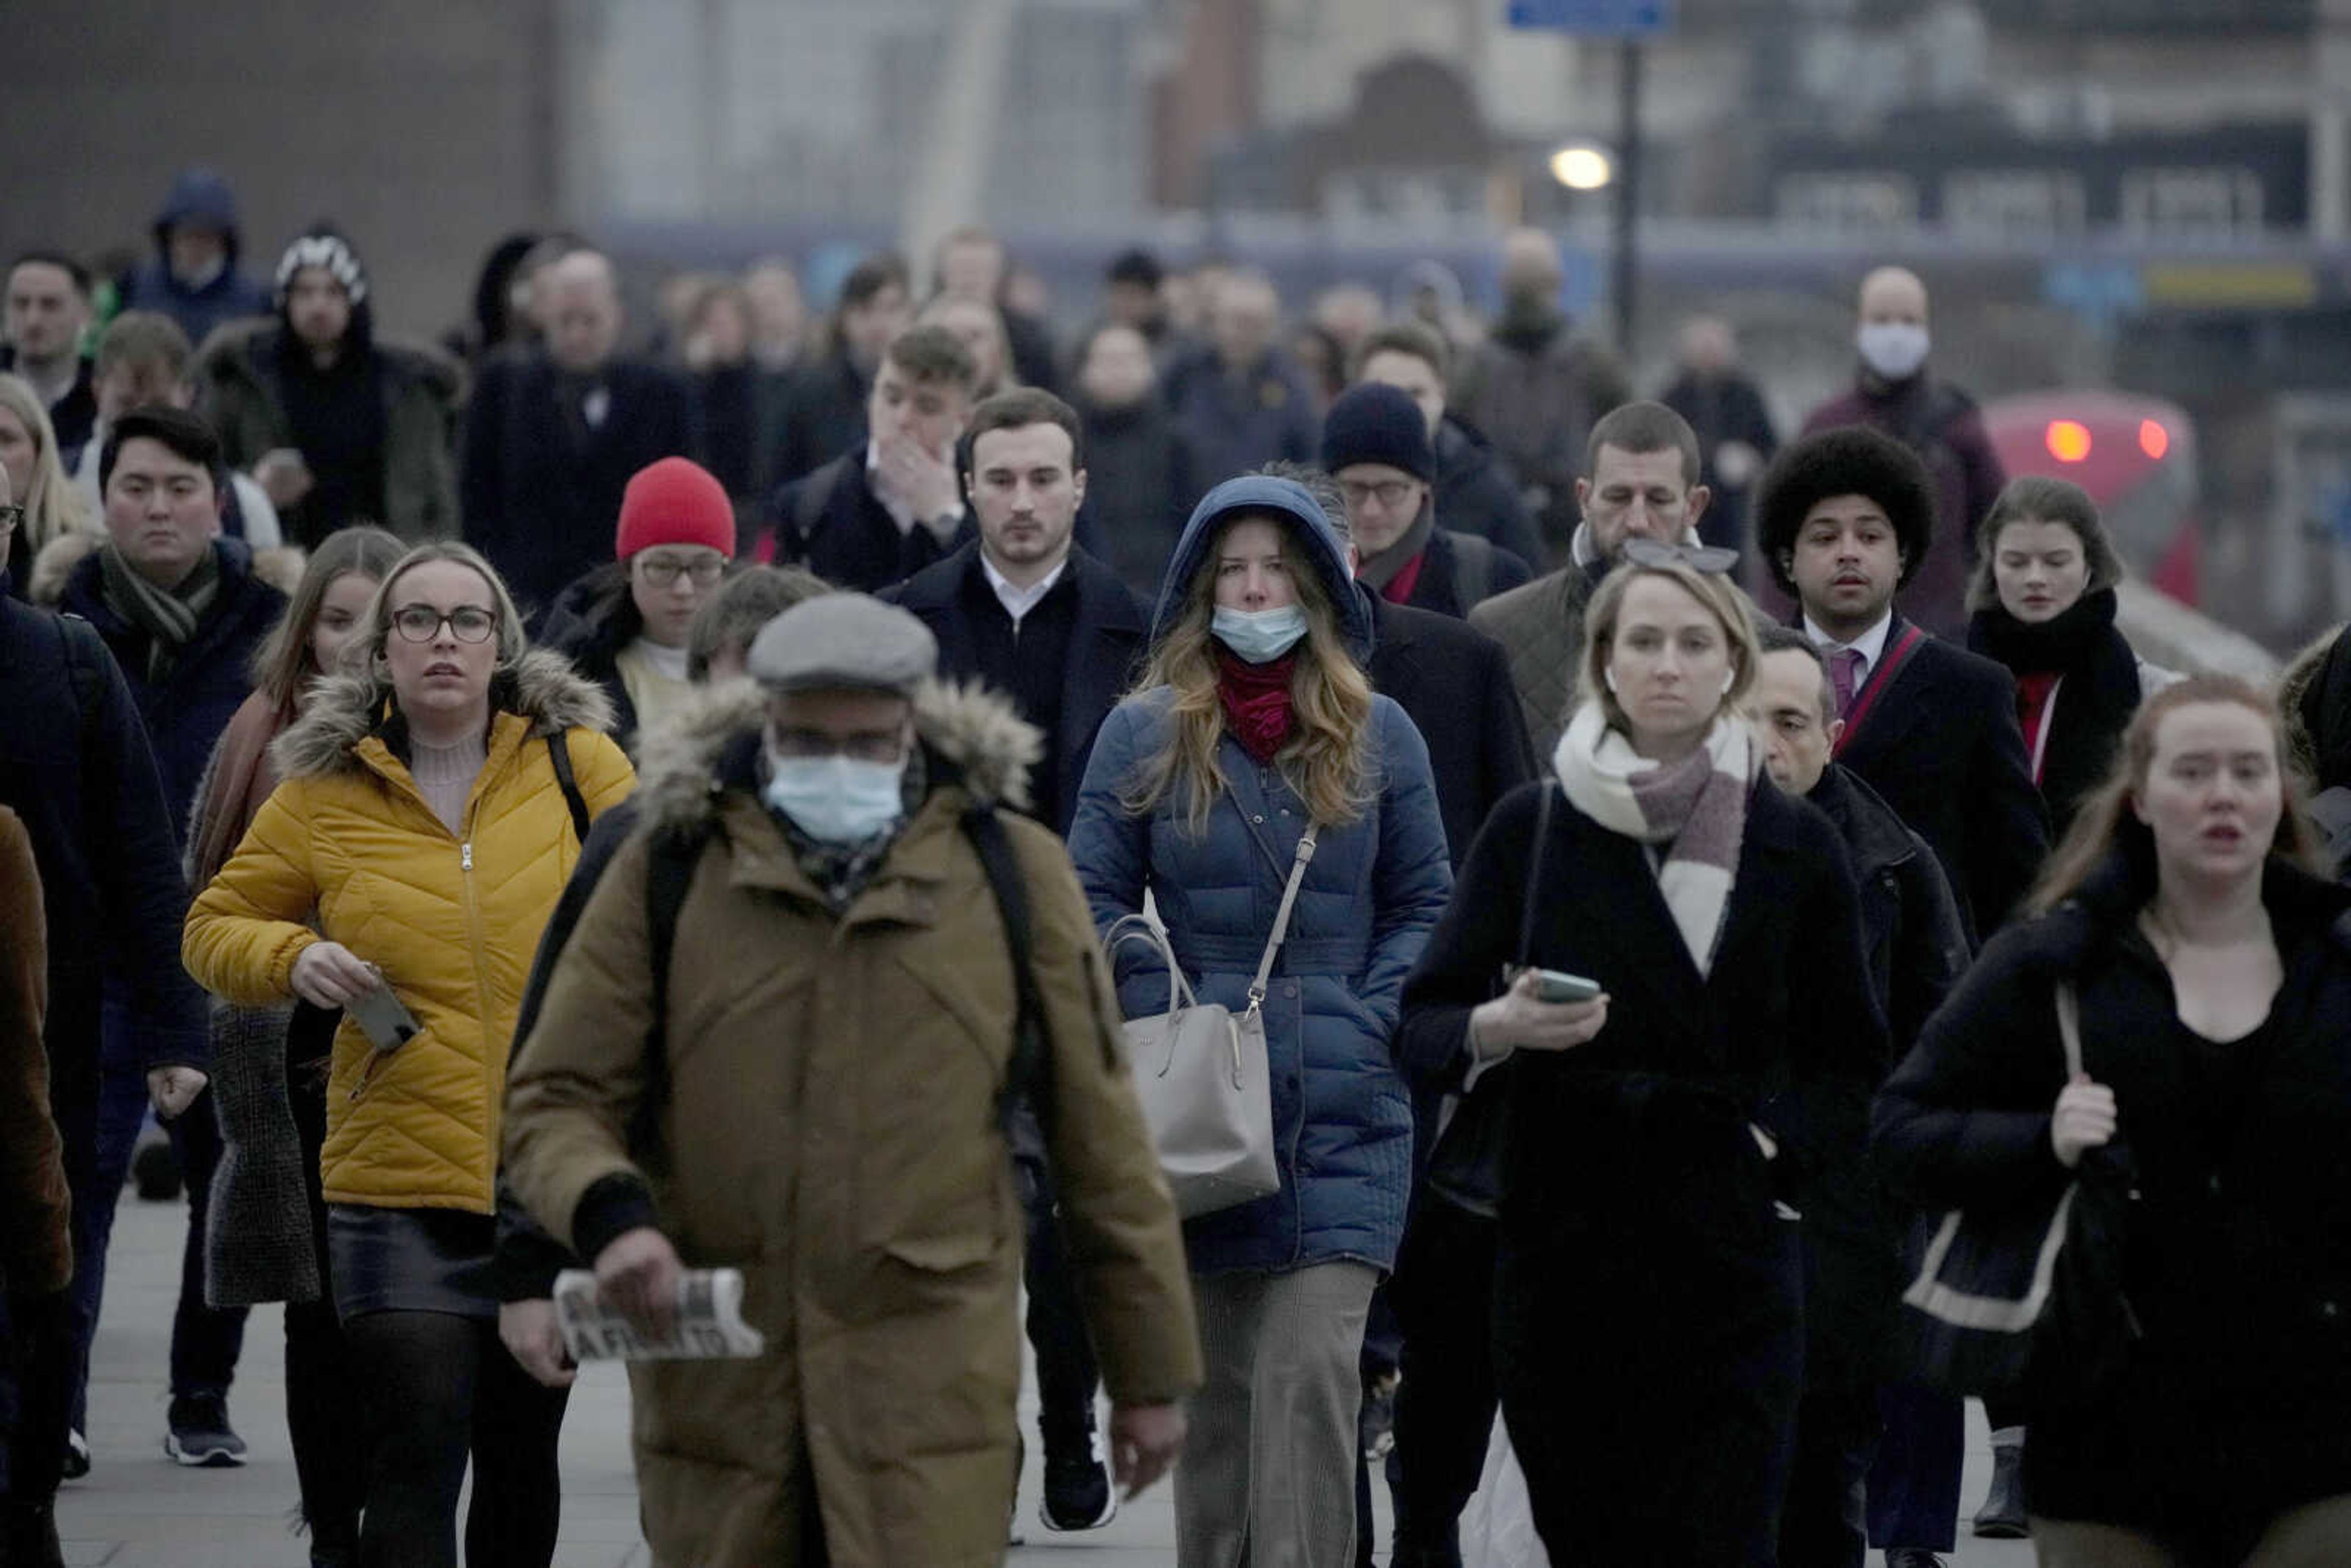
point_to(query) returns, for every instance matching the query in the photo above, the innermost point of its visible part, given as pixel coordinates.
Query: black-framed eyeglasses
(1712, 560)
(1388, 493)
(11, 516)
(422, 622)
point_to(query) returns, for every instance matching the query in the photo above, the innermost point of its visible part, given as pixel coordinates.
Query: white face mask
(837, 800)
(1895, 350)
(1258, 637)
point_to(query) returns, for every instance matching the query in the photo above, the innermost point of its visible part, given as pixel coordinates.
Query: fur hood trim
(984, 743)
(343, 710)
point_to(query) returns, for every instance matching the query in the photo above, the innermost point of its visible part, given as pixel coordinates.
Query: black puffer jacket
(2239, 1261)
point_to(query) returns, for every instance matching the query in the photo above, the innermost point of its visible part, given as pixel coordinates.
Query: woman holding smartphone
(1649, 1334)
(429, 815)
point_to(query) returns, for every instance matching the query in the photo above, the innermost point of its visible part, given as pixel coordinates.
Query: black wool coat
(1941, 746)
(1453, 683)
(1106, 647)
(2237, 1262)
(1646, 1277)
(1478, 494)
(1439, 587)
(540, 491)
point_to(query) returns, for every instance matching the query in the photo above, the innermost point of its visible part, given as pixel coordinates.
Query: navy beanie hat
(1377, 423)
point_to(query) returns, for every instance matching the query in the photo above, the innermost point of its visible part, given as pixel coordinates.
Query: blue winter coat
(1342, 1115)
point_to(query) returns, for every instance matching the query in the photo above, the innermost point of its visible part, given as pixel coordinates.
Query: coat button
(1289, 987)
(2329, 1310)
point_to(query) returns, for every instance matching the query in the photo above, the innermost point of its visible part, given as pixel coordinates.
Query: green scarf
(168, 616)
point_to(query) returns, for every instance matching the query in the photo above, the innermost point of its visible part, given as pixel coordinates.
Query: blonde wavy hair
(53, 507)
(1326, 759)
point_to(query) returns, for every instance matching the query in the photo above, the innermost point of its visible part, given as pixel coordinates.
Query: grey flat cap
(843, 642)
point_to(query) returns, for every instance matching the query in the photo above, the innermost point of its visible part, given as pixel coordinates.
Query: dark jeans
(1066, 1374)
(441, 1388)
(35, 1385)
(322, 1418)
(99, 1132)
(1444, 1298)
(205, 1340)
(1914, 1486)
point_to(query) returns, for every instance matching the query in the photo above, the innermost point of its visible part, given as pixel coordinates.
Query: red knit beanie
(674, 502)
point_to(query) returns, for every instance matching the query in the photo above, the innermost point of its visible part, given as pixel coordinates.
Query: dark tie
(1845, 675)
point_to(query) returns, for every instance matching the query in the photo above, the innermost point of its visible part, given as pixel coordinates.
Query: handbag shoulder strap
(1281, 919)
(1534, 876)
(2069, 1025)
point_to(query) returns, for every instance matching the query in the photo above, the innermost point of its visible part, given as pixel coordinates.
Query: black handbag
(2026, 1302)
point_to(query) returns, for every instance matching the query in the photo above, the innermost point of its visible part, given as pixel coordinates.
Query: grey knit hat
(843, 642)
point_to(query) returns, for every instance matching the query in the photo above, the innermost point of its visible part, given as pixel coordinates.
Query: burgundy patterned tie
(1845, 675)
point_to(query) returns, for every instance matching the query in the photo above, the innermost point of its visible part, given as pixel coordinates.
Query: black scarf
(2094, 703)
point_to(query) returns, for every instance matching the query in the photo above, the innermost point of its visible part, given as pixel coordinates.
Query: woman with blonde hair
(1255, 757)
(1666, 951)
(435, 791)
(2208, 958)
(36, 479)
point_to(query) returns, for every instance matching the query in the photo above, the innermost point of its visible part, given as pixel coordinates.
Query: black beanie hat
(1377, 423)
(1851, 460)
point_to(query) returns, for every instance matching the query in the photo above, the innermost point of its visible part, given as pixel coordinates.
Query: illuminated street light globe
(1581, 168)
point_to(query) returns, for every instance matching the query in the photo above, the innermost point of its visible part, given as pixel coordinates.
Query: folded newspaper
(709, 1325)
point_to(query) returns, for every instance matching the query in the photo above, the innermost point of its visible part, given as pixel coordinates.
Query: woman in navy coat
(1253, 719)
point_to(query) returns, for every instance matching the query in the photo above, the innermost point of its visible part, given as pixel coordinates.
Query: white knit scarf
(1697, 807)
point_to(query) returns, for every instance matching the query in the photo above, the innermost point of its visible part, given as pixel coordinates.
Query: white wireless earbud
(1729, 681)
(1608, 674)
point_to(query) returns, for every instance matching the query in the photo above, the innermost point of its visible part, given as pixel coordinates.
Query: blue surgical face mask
(837, 800)
(1258, 637)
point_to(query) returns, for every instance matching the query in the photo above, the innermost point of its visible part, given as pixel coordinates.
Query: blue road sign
(1594, 18)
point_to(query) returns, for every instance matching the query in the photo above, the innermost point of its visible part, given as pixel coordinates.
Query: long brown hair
(1324, 760)
(2105, 824)
(2038, 498)
(284, 663)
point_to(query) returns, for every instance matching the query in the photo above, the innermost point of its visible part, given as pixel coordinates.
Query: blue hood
(1291, 504)
(200, 194)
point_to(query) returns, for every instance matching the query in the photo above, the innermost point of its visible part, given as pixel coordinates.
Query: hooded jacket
(452, 920)
(242, 396)
(202, 195)
(1341, 1117)
(2316, 692)
(829, 1129)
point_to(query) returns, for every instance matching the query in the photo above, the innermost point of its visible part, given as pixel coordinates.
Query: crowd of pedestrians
(780, 794)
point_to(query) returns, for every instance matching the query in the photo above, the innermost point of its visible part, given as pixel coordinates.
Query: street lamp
(1583, 167)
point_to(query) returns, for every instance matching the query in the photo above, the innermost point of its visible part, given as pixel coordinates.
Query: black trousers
(1825, 1522)
(325, 1422)
(1067, 1376)
(36, 1355)
(1443, 1293)
(205, 1340)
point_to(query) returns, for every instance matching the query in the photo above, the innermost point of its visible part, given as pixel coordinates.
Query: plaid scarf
(1697, 808)
(168, 616)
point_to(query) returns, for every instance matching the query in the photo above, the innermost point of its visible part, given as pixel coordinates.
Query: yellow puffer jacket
(347, 841)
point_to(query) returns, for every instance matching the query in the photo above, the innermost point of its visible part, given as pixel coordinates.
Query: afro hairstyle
(1854, 460)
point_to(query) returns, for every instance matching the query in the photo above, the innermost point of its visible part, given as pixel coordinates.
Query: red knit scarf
(1257, 701)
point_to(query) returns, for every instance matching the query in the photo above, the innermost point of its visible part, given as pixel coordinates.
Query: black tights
(444, 1386)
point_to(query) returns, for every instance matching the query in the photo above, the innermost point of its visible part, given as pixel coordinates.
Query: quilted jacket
(1342, 1115)
(347, 841)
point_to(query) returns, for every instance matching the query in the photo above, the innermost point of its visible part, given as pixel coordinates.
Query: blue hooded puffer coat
(1341, 1117)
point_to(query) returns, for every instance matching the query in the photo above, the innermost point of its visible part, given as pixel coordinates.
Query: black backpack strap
(559, 753)
(1026, 1078)
(671, 856)
(1473, 570)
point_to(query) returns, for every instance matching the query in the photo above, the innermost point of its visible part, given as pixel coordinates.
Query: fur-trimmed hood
(973, 736)
(345, 709)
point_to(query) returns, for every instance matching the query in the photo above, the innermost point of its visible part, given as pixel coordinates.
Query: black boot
(2002, 1518)
(29, 1536)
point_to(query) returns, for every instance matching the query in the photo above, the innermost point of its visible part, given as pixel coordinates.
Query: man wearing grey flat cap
(795, 1061)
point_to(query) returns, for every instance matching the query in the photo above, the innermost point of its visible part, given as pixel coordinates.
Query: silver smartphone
(385, 1018)
(1553, 986)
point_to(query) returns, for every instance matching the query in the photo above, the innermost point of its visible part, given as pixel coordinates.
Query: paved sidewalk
(137, 1510)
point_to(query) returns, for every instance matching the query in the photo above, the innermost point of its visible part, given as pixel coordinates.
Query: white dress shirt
(1870, 644)
(1017, 601)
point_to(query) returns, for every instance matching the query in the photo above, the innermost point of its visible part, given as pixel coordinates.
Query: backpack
(669, 862)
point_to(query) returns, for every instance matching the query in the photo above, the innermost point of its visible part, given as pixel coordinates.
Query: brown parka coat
(831, 1129)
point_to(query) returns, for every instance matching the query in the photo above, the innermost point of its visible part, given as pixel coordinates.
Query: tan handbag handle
(1281, 920)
